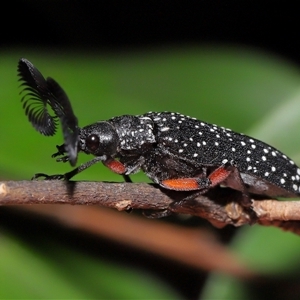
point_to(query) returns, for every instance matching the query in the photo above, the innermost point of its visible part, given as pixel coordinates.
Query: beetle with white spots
(177, 152)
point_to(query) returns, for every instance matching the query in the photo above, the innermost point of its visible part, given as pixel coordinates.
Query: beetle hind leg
(227, 175)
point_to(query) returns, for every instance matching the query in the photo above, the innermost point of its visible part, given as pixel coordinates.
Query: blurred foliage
(238, 88)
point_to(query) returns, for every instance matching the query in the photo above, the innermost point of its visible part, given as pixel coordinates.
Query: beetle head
(99, 139)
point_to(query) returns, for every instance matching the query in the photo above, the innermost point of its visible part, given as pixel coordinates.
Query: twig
(219, 206)
(122, 196)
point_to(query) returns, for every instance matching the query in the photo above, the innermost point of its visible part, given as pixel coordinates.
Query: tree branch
(219, 206)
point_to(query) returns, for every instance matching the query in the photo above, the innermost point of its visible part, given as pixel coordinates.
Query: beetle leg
(69, 175)
(226, 174)
(235, 181)
(218, 176)
(157, 214)
(187, 184)
(115, 166)
(48, 177)
(60, 151)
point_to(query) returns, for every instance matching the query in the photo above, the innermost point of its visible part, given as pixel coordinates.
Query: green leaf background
(243, 89)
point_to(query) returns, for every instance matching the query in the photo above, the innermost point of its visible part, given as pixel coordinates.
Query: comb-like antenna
(40, 92)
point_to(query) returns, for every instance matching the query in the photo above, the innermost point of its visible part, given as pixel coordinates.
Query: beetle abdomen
(210, 145)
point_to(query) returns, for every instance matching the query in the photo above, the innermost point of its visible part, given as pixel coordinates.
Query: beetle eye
(92, 142)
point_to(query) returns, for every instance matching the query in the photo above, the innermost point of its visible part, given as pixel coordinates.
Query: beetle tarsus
(63, 159)
(48, 177)
(157, 214)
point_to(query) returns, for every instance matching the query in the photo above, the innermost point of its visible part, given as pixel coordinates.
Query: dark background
(129, 25)
(119, 25)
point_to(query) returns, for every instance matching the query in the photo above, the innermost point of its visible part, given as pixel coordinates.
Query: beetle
(175, 151)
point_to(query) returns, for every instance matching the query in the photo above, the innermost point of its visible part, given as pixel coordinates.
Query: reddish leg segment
(186, 184)
(115, 166)
(228, 174)
(219, 175)
(198, 183)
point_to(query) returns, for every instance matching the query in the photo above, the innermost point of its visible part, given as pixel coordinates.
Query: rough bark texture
(219, 206)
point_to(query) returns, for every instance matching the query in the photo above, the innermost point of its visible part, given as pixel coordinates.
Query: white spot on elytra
(263, 158)
(180, 150)
(253, 146)
(273, 169)
(243, 143)
(165, 129)
(224, 161)
(233, 149)
(267, 174)
(195, 154)
(248, 159)
(295, 187)
(282, 181)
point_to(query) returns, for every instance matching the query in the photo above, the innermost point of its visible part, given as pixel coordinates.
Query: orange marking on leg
(218, 176)
(181, 184)
(115, 166)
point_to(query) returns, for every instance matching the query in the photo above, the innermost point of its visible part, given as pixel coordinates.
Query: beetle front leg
(60, 152)
(69, 175)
